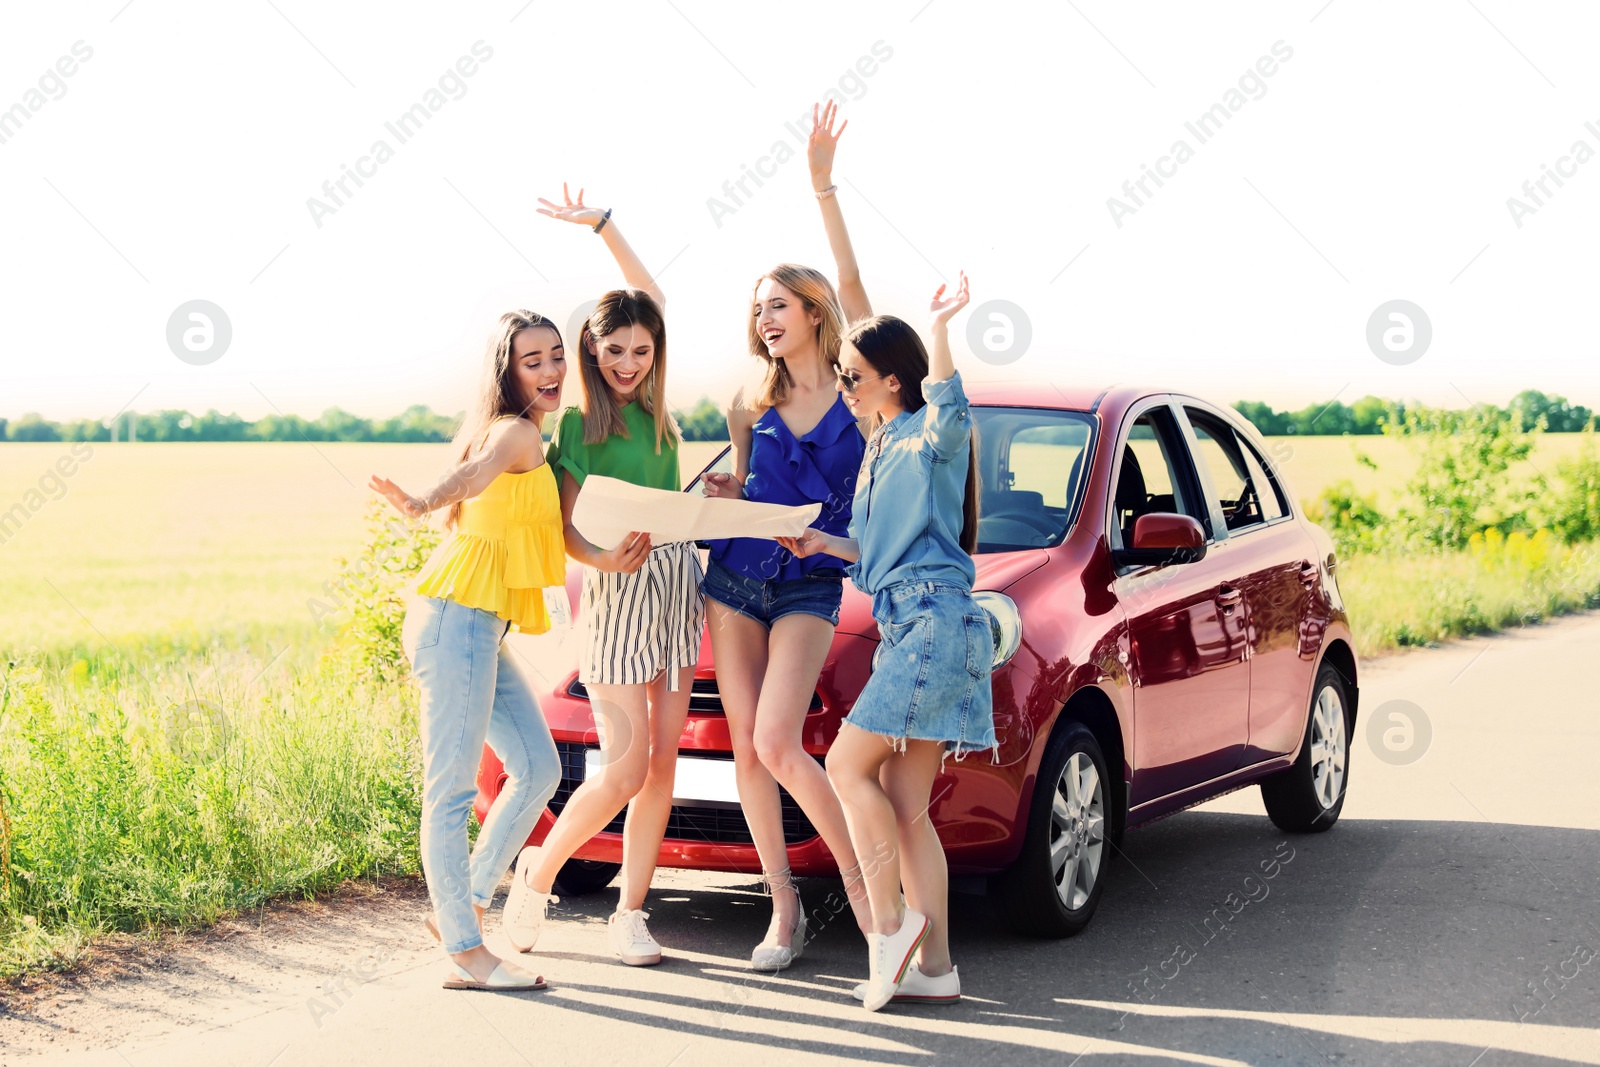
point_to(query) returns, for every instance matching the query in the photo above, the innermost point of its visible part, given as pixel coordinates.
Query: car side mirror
(1163, 537)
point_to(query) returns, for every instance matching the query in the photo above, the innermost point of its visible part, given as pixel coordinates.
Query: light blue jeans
(472, 692)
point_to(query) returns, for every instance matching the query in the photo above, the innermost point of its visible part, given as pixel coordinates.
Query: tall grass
(165, 785)
(1398, 599)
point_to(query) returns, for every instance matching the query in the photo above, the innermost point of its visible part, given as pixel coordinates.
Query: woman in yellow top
(505, 546)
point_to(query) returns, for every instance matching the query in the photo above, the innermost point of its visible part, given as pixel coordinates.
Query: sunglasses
(850, 381)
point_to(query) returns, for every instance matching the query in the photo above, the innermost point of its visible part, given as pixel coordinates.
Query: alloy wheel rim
(1328, 747)
(1077, 831)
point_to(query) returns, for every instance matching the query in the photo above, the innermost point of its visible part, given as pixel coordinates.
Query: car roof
(1064, 395)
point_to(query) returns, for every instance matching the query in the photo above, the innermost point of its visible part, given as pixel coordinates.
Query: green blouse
(632, 458)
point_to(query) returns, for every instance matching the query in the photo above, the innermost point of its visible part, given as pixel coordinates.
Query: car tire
(579, 877)
(1308, 796)
(1071, 813)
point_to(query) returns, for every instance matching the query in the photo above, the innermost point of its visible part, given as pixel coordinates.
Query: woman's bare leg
(853, 765)
(622, 715)
(739, 646)
(796, 651)
(652, 804)
(908, 781)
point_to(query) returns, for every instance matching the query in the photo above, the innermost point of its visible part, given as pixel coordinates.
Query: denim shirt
(907, 514)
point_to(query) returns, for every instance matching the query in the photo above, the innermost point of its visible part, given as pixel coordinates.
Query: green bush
(1575, 506)
(1460, 487)
(1352, 519)
(368, 597)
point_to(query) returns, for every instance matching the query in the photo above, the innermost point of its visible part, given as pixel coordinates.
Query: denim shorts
(931, 679)
(819, 594)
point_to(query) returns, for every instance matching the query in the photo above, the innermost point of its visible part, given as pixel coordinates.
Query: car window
(1217, 450)
(1031, 470)
(1149, 479)
(1273, 504)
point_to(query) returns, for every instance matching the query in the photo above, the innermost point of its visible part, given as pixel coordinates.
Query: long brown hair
(602, 415)
(893, 347)
(498, 394)
(817, 296)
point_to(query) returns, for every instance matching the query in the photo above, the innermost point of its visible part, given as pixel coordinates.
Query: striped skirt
(634, 626)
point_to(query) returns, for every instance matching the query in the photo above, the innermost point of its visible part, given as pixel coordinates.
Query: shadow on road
(1219, 940)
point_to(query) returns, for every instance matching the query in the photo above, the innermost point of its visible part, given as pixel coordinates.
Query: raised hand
(943, 307)
(824, 138)
(570, 210)
(403, 502)
(722, 485)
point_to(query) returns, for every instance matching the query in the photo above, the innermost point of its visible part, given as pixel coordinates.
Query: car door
(1269, 558)
(1186, 629)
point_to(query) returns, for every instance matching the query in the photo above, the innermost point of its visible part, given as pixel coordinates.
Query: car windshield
(1031, 472)
(1031, 467)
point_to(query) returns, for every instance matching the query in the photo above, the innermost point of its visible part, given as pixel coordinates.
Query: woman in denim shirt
(913, 527)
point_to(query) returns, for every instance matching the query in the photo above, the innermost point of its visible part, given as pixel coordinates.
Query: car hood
(996, 571)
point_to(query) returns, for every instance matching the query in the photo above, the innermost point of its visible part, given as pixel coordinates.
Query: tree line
(705, 421)
(1370, 414)
(418, 424)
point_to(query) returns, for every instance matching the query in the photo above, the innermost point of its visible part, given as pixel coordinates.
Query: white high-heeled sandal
(767, 957)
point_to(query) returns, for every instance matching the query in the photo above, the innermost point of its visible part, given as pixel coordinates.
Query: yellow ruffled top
(505, 549)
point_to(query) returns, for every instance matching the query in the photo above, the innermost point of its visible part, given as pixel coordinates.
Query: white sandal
(505, 976)
(767, 957)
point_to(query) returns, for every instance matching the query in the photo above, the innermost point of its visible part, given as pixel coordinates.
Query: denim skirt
(931, 679)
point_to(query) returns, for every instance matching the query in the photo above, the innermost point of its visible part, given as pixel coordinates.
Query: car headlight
(1005, 624)
(1005, 627)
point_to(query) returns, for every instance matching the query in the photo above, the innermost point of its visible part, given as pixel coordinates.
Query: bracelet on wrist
(829, 191)
(602, 223)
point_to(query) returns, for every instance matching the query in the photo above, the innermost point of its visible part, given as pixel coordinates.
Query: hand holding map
(608, 509)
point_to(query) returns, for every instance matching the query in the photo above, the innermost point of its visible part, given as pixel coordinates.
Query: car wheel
(1307, 797)
(578, 877)
(1054, 887)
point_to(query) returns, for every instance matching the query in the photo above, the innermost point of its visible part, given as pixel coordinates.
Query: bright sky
(1373, 163)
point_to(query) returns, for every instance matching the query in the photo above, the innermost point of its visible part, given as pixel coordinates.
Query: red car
(1167, 628)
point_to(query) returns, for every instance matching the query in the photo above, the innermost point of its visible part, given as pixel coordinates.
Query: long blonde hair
(817, 297)
(602, 415)
(498, 394)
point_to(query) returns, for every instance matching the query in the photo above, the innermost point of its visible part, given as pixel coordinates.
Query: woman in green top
(641, 614)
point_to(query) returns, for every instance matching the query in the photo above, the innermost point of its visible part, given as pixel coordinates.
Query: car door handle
(1228, 599)
(1308, 573)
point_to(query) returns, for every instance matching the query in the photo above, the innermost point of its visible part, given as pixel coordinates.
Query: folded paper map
(608, 509)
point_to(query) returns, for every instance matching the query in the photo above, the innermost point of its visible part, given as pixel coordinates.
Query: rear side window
(1246, 496)
(1273, 504)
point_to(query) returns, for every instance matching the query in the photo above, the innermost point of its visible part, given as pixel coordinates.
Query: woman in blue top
(912, 534)
(772, 615)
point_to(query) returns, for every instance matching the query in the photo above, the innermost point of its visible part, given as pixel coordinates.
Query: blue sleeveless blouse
(819, 467)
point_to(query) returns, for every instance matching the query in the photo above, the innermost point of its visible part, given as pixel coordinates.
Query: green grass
(1418, 599)
(168, 790)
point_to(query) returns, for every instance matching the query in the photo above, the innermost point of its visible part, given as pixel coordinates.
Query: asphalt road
(1415, 932)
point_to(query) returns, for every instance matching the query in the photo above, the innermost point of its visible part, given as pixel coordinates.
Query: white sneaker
(524, 913)
(631, 939)
(918, 988)
(890, 956)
